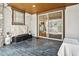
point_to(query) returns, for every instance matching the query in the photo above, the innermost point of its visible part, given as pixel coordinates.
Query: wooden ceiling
(40, 7)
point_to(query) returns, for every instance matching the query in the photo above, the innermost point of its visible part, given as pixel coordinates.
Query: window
(18, 17)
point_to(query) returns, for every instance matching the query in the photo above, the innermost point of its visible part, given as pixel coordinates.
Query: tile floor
(34, 47)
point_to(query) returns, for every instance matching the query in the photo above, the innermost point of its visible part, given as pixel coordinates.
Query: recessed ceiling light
(34, 6)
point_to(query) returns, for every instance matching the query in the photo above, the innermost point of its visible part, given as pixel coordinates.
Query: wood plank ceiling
(38, 7)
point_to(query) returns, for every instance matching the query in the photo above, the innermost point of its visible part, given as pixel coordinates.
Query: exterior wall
(15, 29)
(1, 25)
(34, 25)
(72, 21)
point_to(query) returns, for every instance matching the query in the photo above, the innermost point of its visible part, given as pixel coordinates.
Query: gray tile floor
(34, 47)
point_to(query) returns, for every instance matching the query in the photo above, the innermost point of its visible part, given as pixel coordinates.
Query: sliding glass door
(51, 25)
